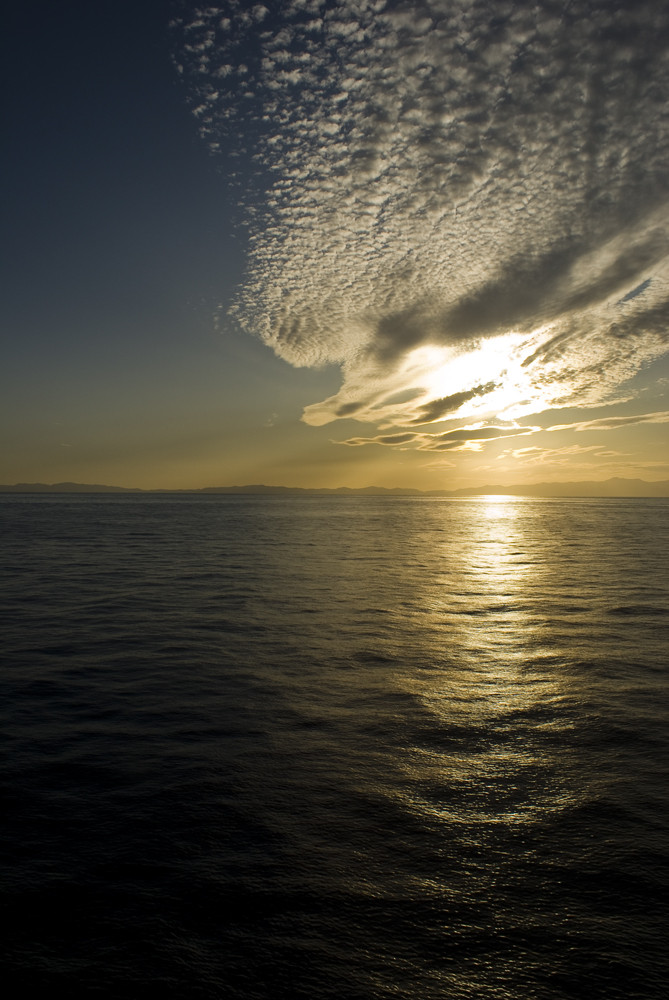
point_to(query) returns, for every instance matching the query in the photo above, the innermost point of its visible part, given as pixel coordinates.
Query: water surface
(346, 747)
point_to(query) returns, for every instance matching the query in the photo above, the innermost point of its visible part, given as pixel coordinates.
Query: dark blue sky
(111, 198)
(119, 248)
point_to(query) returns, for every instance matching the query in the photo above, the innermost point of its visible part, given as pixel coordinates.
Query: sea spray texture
(335, 747)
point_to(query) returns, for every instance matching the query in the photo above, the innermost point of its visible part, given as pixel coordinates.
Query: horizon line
(546, 488)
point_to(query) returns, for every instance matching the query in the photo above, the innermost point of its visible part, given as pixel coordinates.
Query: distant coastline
(587, 488)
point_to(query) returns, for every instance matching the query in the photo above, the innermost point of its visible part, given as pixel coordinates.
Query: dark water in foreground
(335, 748)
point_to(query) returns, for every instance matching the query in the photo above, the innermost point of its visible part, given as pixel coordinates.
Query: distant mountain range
(605, 488)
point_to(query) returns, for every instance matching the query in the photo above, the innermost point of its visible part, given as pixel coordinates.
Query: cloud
(458, 439)
(437, 409)
(613, 423)
(588, 457)
(463, 437)
(635, 291)
(463, 202)
(385, 439)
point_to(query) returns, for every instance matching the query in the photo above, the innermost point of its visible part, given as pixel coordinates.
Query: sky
(352, 243)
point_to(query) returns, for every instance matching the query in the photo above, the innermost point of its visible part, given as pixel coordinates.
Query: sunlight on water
(497, 688)
(336, 747)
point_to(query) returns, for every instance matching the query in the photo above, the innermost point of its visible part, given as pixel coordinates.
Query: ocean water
(347, 747)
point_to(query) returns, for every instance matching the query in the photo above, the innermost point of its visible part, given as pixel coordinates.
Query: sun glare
(500, 506)
(495, 365)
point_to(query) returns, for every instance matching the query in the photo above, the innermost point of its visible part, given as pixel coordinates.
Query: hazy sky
(344, 243)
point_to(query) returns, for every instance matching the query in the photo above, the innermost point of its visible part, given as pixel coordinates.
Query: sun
(492, 370)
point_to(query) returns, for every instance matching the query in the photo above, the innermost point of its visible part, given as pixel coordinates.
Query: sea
(352, 747)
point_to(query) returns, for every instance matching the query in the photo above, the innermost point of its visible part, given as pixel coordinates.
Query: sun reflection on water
(493, 689)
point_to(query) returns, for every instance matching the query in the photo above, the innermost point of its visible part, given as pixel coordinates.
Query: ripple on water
(335, 747)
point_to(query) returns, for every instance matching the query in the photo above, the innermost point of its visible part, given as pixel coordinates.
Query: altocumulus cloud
(462, 203)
